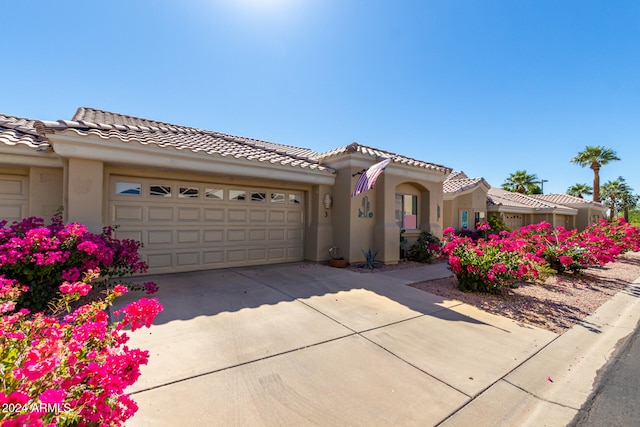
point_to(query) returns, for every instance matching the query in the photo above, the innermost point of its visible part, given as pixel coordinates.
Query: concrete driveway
(306, 344)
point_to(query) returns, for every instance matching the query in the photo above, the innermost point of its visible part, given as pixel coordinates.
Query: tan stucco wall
(84, 193)
(472, 202)
(354, 233)
(319, 228)
(45, 191)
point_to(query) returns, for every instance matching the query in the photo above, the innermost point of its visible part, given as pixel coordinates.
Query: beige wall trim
(134, 153)
(28, 157)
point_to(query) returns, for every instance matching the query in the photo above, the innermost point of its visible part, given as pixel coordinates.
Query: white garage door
(13, 197)
(513, 221)
(191, 226)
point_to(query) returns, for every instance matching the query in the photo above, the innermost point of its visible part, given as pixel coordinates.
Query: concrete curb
(549, 388)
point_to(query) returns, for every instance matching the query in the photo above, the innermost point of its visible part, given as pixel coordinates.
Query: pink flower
(565, 260)
(120, 290)
(139, 313)
(79, 287)
(448, 230)
(53, 396)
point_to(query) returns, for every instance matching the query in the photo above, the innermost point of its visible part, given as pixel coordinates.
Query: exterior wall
(41, 195)
(85, 193)
(45, 191)
(367, 221)
(472, 202)
(319, 231)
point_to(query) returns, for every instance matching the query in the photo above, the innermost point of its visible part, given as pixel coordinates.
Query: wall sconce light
(326, 201)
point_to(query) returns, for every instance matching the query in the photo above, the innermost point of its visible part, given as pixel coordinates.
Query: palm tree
(595, 157)
(522, 182)
(578, 190)
(617, 195)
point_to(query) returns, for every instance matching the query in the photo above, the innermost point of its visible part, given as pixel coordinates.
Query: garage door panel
(160, 237)
(294, 234)
(213, 257)
(188, 236)
(159, 260)
(202, 225)
(160, 213)
(294, 252)
(258, 216)
(294, 217)
(277, 254)
(132, 235)
(257, 235)
(213, 236)
(236, 235)
(236, 215)
(127, 213)
(276, 216)
(13, 186)
(236, 255)
(188, 258)
(12, 212)
(276, 235)
(188, 214)
(214, 215)
(259, 254)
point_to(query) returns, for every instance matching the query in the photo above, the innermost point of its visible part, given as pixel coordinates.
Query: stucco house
(199, 199)
(468, 201)
(465, 201)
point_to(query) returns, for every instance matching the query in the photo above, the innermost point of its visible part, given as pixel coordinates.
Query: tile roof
(565, 199)
(108, 125)
(457, 182)
(500, 197)
(20, 131)
(374, 152)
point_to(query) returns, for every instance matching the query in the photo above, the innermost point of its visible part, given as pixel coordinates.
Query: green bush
(427, 248)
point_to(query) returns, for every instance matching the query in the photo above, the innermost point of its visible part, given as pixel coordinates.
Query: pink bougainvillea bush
(42, 257)
(67, 368)
(533, 251)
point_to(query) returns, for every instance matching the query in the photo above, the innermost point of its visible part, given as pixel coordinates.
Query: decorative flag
(368, 178)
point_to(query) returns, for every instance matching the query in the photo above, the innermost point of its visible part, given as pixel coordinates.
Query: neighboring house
(517, 210)
(468, 201)
(588, 211)
(199, 199)
(465, 201)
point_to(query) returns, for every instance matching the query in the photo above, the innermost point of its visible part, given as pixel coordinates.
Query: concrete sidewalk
(305, 344)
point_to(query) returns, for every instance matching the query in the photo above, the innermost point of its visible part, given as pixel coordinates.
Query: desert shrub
(68, 367)
(42, 257)
(426, 248)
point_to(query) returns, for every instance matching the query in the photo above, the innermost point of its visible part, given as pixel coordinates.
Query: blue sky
(484, 86)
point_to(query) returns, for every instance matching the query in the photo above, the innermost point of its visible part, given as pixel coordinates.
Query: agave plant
(370, 258)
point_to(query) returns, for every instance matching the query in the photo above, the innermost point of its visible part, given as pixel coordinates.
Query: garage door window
(277, 197)
(295, 199)
(129, 188)
(237, 195)
(189, 192)
(258, 197)
(214, 193)
(160, 190)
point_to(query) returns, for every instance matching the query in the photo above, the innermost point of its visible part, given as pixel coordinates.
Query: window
(295, 199)
(160, 190)
(478, 218)
(237, 195)
(214, 193)
(407, 211)
(258, 197)
(464, 219)
(277, 197)
(128, 188)
(189, 192)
